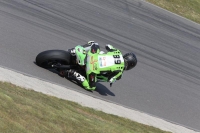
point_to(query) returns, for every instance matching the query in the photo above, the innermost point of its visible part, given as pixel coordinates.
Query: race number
(117, 59)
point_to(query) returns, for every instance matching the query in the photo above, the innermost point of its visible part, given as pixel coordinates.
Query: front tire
(47, 58)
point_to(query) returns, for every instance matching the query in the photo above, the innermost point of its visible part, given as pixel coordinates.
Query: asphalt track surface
(166, 81)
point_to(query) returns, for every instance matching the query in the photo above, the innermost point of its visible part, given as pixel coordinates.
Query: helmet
(130, 61)
(80, 55)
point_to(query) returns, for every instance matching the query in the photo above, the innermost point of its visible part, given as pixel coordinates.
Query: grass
(27, 111)
(189, 9)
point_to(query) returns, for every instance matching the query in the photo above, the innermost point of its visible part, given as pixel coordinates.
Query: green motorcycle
(89, 61)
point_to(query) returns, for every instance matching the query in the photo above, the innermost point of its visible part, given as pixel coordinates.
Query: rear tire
(47, 58)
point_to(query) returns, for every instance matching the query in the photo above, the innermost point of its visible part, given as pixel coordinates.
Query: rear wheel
(48, 58)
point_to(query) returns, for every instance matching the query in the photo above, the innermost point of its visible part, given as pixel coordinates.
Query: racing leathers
(100, 66)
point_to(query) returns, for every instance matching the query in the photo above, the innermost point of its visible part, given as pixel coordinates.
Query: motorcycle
(61, 60)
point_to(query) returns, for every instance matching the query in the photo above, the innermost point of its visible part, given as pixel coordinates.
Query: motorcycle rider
(106, 67)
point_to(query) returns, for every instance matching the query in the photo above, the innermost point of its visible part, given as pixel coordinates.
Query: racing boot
(72, 51)
(80, 79)
(72, 74)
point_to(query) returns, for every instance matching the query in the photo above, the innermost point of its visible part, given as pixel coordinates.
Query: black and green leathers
(106, 67)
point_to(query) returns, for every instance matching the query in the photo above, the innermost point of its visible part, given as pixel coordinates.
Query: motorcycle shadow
(100, 88)
(103, 90)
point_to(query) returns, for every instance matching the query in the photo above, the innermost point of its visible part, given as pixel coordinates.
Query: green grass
(187, 8)
(27, 111)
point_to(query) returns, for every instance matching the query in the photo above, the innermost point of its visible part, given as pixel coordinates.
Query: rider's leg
(71, 74)
(72, 51)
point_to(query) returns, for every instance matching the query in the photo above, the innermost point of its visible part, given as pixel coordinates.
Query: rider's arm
(116, 75)
(102, 78)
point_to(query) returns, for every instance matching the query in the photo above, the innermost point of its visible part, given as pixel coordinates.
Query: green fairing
(97, 63)
(102, 78)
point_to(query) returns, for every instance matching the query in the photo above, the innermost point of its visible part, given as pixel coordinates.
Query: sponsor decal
(93, 63)
(102, 61)
(95, 66)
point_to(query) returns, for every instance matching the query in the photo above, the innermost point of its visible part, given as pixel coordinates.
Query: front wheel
(48, 58)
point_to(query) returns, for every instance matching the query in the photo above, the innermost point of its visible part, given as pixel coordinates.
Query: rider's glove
(111, 81)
